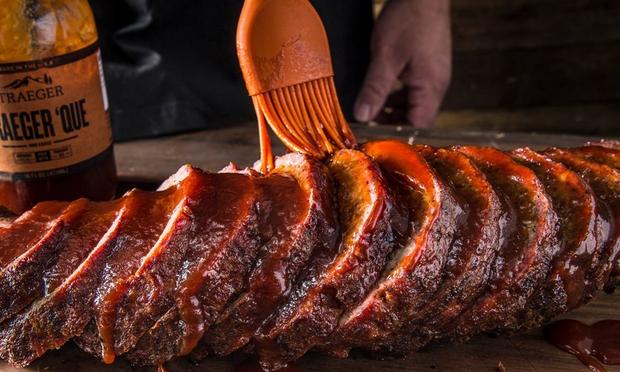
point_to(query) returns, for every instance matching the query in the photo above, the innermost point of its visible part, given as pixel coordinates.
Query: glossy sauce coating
(222, 246)
(525, 255)
(581, 233)
(27, 230)
(294, 226)
(37, 265)
(370, 225)
(593, 345)
(139, 235)
(473, 250)
(605, 181)
(411, 275)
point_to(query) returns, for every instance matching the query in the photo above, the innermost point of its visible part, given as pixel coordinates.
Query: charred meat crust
(298, 221)
(22, 233)
(371, 225)
(222, 244)
(222, 262)
(525, 255)
(579, 234)
(412, 276)
(138, 235)
(472, 254)
(67, 309)
(605, 181)
(39, 264)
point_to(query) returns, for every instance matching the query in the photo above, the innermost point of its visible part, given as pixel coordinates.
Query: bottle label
(53, 116)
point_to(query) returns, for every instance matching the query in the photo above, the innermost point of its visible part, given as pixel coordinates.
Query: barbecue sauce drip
(593, 345)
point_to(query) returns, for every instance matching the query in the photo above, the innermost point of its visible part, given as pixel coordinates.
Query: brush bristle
(307, 117)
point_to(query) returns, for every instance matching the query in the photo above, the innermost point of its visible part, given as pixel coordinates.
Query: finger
(423, 106)
(380, 78)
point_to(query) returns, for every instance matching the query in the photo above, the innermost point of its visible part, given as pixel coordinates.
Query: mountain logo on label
(26, 81)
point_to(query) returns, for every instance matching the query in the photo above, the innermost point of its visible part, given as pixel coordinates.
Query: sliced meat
(22, 233)
(35, 271)
(372, 225)
(600, 154)
(150, 289)
(42, 280)
(297, 219)
(138, 235)
(471, 256)
(412, 276)
(223, 248)
(580, 235)
(67, 309)
(605, 181)
(525, 255)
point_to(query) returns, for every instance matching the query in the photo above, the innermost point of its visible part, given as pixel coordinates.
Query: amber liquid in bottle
(55, 135)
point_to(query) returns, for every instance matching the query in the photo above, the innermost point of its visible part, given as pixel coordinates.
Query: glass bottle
(55, 134)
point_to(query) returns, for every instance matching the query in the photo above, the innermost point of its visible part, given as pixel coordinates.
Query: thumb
(382, 74)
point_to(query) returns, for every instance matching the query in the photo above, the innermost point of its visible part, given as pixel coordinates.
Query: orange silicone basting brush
(286, 62)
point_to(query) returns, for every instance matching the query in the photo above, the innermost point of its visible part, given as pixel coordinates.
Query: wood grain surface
(153, 160)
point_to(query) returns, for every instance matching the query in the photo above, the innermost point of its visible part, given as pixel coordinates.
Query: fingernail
(362, 112)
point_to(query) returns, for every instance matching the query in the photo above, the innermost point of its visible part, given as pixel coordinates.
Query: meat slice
(22, 233)
(605, 181)
(297, 220)
(164, 308)
(600, 154)
(372, 225)
(580, 235)
(67, 307)
(526, 252)
(36, 271)
(412, 276)
(471, 256)
(151, 213)
(223, 245)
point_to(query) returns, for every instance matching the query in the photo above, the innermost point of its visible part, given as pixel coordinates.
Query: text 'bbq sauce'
(55, 135)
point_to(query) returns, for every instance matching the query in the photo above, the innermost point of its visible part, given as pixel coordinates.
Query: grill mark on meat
(411, 278)
(138, 237)
(297, 220)
(66, 310)
(150, 289)
(471, 256)
(569, 280)
(524, 258)
(36, 265)
(605, 181)
(372, 226)
(223, 248)
(25, 231)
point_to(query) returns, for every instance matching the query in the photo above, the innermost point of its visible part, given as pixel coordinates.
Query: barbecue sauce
(593, 345)
(55, 134)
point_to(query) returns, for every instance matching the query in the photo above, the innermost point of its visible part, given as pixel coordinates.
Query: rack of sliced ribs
(384, 248)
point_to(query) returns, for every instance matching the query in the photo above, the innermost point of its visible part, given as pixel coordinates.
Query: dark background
(519, 65)
(535, 65)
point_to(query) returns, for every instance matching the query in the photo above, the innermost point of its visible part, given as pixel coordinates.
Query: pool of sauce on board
(594, 345)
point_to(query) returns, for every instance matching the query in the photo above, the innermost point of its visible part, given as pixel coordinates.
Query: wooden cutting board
(151, 161)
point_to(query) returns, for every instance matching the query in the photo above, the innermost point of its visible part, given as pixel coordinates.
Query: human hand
(411, 42)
